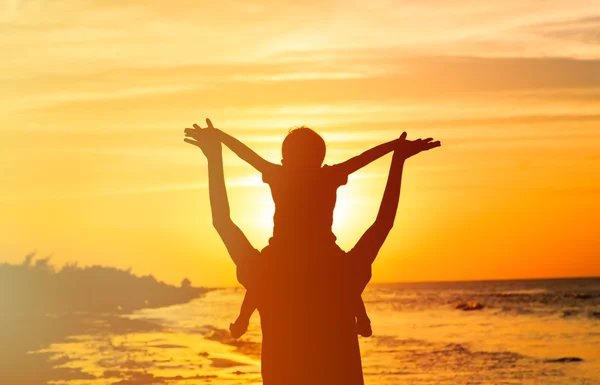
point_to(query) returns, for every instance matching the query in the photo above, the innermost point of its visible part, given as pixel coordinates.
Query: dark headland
(40, 305)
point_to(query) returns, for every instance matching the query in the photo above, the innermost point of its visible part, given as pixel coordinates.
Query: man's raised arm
(370, 243)
(237, 244)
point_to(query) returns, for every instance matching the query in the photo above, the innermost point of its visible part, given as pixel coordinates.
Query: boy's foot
(363, 328)
(238, 329)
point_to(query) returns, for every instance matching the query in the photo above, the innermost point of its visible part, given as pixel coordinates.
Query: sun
(252, 208)
(351, 216)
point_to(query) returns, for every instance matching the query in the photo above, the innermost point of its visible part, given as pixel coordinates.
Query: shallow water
(419, 338)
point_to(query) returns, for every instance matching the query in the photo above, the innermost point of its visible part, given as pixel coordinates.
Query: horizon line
(455, 281)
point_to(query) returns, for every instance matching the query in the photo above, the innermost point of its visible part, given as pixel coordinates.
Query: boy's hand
(206, 139)
(412, 147)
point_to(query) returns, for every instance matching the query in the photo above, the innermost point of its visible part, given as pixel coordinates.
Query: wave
(569, 299)
(523, 291)
(243, 346)
(581, 313)
(454, 355)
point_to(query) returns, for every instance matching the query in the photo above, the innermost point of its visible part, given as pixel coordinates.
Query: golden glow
(95, 97)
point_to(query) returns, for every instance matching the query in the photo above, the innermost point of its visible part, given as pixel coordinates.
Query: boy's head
(303, 147)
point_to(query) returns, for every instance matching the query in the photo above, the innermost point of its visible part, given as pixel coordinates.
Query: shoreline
(41, 305)
(26, 336)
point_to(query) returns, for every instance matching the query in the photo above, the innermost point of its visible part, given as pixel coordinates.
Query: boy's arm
(360, 161)
(239, 148)
(245, 153)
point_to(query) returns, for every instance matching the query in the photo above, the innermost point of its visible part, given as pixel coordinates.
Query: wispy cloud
(71, 36)
(9, 10)
(42, 100)
(439, 80)
(125, 190)
(582, 30)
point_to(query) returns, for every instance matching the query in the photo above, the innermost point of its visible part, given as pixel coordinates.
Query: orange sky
(95, 95)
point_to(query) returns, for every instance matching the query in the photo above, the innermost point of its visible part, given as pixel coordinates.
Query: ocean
(528, 332)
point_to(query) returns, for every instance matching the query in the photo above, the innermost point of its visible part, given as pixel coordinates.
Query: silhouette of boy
(304, 192)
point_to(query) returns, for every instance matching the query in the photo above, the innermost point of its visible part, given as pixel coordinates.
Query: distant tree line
(37, 287)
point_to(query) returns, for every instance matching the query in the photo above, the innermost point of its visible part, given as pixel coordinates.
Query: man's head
(303, 147)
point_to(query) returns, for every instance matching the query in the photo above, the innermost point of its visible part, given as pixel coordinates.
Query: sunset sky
(94, 97)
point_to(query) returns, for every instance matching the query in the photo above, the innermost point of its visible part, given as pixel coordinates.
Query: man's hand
(207, 139)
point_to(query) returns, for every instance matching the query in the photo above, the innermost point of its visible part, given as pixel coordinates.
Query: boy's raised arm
(239, 148)
(360, 161)
(245, 152)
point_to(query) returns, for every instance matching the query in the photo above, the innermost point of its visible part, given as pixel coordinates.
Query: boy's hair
(302, 145)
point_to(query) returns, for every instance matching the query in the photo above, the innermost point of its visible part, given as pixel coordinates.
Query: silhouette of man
(306, 302)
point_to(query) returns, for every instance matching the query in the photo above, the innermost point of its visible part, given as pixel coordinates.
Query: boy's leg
(363, 323)
(240, 326)
(362, 276)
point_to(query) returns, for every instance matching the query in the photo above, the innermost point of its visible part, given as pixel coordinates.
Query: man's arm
(370, 243)
(236, 242)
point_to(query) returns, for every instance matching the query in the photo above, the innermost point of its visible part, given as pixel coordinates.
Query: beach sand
(525, 332)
